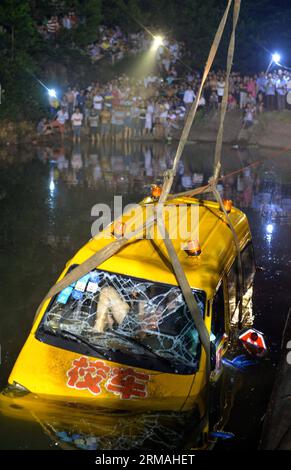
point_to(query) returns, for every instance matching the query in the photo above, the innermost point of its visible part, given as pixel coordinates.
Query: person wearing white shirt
(220, 90)
(75, 94)
(77, 119)
(60, 120)
(67, 22)
(98, 102)
(149, 118)
(202, 102)
(281, 91)
(189, 97)
(62, 116)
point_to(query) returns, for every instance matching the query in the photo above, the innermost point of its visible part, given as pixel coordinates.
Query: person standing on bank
(220, 90)
(188, 99)
(77, 119)
(60, 121)
(93, 124)
(270, 93)
(281, 90)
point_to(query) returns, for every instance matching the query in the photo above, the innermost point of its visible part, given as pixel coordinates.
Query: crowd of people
(51, 27)
(266, 91)
(111, 42)
(125, 107)
(120, 109)
(131, 108)
(128, 108)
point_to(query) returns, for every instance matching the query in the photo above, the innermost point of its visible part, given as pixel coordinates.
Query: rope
(169, 176)
(91, 263)
(218, 150)
(237, 246)
(230, 55)
(207, 188)
(211, 187)
(186, 289)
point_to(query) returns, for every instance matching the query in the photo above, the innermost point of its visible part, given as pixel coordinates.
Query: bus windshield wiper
(145, 348)
(68, 335)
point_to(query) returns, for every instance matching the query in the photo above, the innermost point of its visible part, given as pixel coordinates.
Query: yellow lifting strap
(169, 177)
(224, 103)
(218, 149)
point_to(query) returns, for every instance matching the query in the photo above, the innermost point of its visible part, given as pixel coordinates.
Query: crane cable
(169, 177)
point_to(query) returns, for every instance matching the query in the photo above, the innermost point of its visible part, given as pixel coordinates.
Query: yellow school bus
(122, 337)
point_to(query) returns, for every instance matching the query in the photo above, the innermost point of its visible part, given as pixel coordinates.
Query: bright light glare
(276, 58)
(52, 186)
(52, 93)
(270, 229)
(158, 41)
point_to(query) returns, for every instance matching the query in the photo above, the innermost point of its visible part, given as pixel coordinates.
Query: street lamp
(275, 59)
(158, 41)
(52, 93)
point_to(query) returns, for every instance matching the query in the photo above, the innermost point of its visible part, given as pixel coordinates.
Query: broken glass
(127, 315)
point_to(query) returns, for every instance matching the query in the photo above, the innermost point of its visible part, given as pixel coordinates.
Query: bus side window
(249, 267)
(232, 284)
(218, 315)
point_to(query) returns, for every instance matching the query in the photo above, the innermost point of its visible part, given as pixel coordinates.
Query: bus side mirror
(212, 356)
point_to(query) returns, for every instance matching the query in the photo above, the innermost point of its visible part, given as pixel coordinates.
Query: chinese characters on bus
(126, 382)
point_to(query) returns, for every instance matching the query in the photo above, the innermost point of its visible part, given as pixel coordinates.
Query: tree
(18, 41)
(18, 31)
(128, 14)
(90, 11)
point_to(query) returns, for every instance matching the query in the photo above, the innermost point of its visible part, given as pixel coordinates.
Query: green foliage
(23, 96)
(17, 41)
(18, 31)
(128, 14)
(86, 32)
(197, 26)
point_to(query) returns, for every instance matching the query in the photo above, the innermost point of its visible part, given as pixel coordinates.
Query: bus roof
(149, 259)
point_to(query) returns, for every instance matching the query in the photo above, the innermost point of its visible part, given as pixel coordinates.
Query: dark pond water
(46, 196)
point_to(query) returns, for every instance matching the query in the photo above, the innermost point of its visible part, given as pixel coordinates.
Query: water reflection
(128, 168)
(83, 427)
(118, 168)
(46, 198)
(79, 426)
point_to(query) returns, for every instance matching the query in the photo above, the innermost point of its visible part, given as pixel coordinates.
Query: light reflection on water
(46, 196)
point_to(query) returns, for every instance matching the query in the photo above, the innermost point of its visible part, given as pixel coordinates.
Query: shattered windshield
(127, 319)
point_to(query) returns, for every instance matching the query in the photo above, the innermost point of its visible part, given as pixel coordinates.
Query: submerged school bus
(122, 337)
